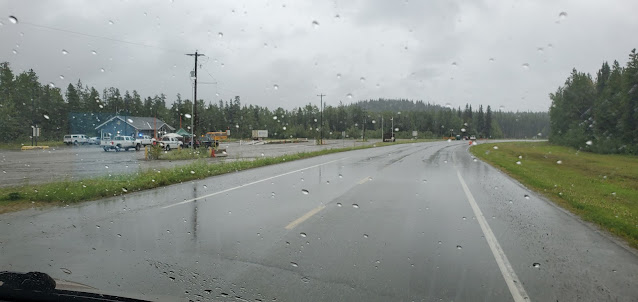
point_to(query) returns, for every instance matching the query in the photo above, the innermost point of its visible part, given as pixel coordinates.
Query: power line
(204, 68)
(99, 37)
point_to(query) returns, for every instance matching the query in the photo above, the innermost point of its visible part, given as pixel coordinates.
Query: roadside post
(35, 133)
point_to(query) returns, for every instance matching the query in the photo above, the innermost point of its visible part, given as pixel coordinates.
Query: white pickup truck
(145, 140)
(120, 142)
(76, 139)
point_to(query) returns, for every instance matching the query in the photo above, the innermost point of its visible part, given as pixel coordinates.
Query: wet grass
(68, 192)
(184, 153)
(602, 189)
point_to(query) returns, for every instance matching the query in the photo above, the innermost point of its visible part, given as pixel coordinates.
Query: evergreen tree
(629, 104)
(488, 123)
(480, 122)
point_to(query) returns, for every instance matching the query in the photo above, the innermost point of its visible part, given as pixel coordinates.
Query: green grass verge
(68, 192)
(185, 153)
(17, 146)
(602, 189)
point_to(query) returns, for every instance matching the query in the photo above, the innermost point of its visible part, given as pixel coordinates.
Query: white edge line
(248, 184)
(512, 281)
(303, 218)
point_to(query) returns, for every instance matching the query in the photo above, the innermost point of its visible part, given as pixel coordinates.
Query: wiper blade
(27, 281)
(38, 286)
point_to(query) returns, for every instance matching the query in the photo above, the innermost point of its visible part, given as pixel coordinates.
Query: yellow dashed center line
(364, 180)
(314, 211)
(303, 218)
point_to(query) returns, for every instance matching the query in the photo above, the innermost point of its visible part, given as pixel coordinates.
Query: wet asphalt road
(77, 162)
(413, 222)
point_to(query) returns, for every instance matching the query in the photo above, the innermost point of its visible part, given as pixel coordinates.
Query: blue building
(133, 126)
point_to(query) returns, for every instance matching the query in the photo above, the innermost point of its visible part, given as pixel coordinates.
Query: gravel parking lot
(76, 162)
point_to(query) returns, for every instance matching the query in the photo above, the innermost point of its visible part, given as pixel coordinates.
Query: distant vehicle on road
(213, 138)
(75, 139)
(260, 134)
(388, 137)
(120, 142)
(218, 136)
(206, 142)
(170, 141)
(473, 137)
(94, 140)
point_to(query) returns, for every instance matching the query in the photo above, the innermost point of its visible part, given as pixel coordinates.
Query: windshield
(322, 150)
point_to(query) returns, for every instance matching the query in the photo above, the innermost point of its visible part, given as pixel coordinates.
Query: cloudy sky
(507, 54)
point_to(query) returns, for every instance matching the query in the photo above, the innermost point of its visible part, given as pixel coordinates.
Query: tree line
(25, 101)
(601, 114)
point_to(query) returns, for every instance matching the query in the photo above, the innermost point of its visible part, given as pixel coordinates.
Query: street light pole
(32, 120)
(392, 119)
(365, 120)
(381, 127)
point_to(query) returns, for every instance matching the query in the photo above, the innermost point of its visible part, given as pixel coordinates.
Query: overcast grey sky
(444, 52)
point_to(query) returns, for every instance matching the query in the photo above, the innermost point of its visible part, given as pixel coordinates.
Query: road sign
(35, 131)
(415, 133)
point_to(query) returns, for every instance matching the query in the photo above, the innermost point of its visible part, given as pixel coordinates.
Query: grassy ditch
(602, 189)
(68, 192)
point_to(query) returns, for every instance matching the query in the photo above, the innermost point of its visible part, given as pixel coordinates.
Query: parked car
(169, 142)
(389, 137)
(120, 142)
(94, 140)
(206, 142)
(75, 139)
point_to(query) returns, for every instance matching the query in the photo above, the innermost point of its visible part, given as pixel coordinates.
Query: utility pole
(195, 117)
(192, 119)
(321, 105)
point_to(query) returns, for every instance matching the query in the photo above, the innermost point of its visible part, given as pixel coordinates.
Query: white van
(76, 139)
